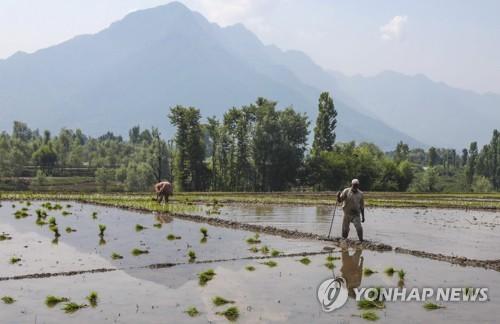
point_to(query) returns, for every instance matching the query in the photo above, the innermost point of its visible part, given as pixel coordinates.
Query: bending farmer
(353, 205)
(163, 190)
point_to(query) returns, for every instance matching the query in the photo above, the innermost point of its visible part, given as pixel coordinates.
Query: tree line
(256, 147)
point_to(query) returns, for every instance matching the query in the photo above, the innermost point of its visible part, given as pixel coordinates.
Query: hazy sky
(457, 42)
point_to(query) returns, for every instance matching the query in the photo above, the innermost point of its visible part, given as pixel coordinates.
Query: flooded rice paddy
(472, 234)
(159, 286)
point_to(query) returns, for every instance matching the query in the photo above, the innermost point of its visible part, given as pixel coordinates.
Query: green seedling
(331, 258)
(137, 252)
(14, 260)
(139, 227)
(370, 304)
(203, 240)
(52, 221)
(102, 228)
(219, 301)
(40, 221)
(5, 236)
(253, 249)
(68, 206)
(204, 231)
(116, 256)
(232, 313)
(330, 265)
(65, 213)
(275, 253)
(305, 261)
(401, 274)
(157, 225)
(192, 256)
(8, 300)
(41, 213)
(370, 316)
(172, 237)
(92, 298)
(390, 271)
(21, 214)
(250, 268)
(264, 249)
(70, 230)
(368, 272)
(206, 276)
(71, 307)
(57, 207)
(192, 311)
(55, 230)
(52, 301)
(270, 263)
(254, 239)
(94, 215)
(432, 306)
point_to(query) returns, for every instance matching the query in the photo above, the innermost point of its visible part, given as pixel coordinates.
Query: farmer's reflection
(352, 269)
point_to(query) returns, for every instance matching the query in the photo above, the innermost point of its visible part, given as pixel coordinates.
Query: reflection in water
(352, 269)
(323, 211)
(263, 210)
(163, 218)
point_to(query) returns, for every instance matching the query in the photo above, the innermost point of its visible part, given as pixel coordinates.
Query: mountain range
(132, 72)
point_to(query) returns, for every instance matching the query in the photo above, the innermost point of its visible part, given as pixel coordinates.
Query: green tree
(326, 122)
(190, 167)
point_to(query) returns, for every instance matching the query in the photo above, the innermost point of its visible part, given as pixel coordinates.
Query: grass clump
(370, 304)
(116, 256)
(172, 237)
(71, 307)
(331, 258)
(157, 225)
(52, 301)
(70, 230)
(254, 249)
(232, 313)
(65, 213)
(102, 228)
(264, 249)
(254, 239)
(52, 221)
(192, 311)
(250, 268)
(219, 301)
(139, 227)
(330, 265)
(275, 253)
(270, 263)
(192, 256)
(21, 214)
(204, 231)
(205, 276)
(94, 215)
(370, 316)
(14, 260)
(390, 271)
(5, 236)
(368, 272)
(137, 252)
(8, 300)
(92, 298)
(305, 261)
(432, 306)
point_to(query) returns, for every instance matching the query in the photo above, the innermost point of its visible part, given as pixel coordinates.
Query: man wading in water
(353, 205)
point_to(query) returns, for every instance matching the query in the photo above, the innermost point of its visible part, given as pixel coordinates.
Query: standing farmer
(163, 190)
(353, 205)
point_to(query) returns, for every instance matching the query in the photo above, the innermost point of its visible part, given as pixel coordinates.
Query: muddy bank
(463, 261)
